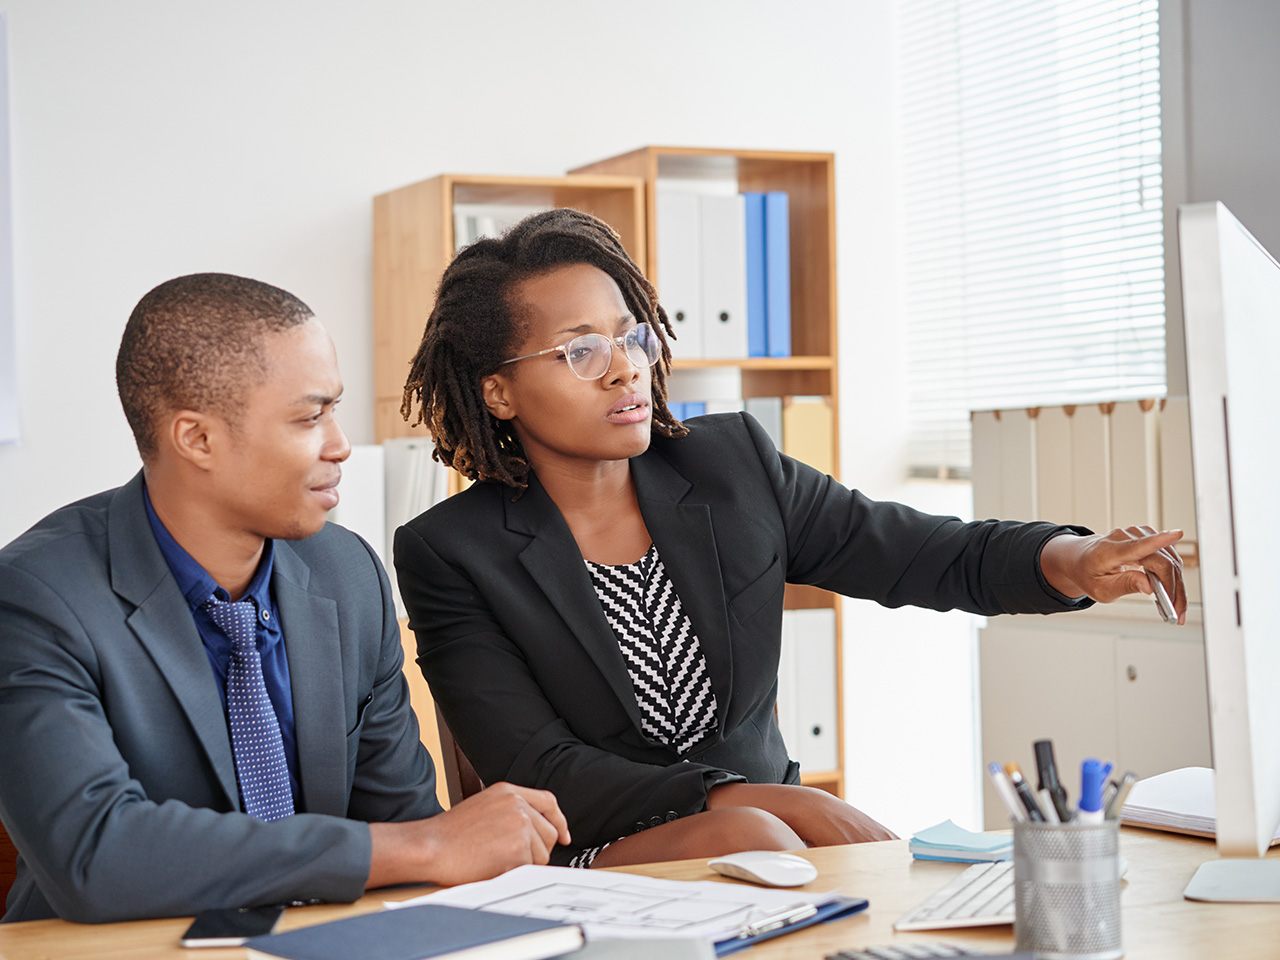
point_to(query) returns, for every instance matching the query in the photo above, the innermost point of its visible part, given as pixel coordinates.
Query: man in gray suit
(201, 697)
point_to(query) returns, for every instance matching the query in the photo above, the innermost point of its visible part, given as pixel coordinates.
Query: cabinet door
(1042, 683)
(1162, 707)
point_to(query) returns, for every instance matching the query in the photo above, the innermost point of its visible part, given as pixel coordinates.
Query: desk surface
(1157, 922)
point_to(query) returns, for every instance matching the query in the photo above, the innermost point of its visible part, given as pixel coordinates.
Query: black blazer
(529, 675)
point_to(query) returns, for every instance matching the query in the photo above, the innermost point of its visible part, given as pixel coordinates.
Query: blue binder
(777, 251)
(757, 318)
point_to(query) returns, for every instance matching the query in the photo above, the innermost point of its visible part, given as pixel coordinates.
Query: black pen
(1023, 790)
(1048, 773)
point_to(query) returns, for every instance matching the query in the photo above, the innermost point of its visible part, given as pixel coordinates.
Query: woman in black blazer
(600, 615)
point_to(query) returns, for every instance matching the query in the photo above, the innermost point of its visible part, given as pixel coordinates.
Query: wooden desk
(1157, 923)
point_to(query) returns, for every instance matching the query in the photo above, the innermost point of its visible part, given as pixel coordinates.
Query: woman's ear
(497, 396)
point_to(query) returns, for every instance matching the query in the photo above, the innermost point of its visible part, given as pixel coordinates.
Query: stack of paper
(1180, 801)
(946, 841)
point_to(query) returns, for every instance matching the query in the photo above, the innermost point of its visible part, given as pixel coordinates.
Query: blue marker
(1093, 778)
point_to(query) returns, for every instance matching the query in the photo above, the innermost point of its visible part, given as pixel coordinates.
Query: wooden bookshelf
(413, 242)
(809, 181)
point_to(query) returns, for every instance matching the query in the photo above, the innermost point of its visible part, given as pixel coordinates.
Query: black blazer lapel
(316, 672)
(686, 543)
(553, 560)
(163, 624)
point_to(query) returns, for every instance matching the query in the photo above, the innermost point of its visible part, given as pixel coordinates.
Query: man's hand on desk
(1106, 568)
(501, 827)
(817, 817)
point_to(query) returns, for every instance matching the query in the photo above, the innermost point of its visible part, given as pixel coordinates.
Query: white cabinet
(1110, 682)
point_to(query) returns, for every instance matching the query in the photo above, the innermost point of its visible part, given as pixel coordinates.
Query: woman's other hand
(1108, 567)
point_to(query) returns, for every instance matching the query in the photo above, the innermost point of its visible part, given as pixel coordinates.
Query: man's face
(275, 474)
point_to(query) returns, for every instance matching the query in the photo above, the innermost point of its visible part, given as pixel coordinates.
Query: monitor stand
(1236, 881)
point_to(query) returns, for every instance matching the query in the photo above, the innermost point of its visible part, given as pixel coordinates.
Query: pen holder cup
(1066, 881)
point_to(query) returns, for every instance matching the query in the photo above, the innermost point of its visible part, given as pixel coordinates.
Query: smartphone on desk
(230, 926)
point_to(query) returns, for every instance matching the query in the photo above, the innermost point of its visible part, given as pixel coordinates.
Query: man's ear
(497, 398)
(190, 436)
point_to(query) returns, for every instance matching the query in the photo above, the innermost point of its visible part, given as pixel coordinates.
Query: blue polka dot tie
(255, 730)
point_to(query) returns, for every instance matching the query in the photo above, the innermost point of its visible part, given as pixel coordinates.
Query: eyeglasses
(591, 354)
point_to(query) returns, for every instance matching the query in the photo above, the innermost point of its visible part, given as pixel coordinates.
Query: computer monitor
(1231, 310)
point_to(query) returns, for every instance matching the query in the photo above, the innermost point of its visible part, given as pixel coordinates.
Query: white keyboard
(981, 896)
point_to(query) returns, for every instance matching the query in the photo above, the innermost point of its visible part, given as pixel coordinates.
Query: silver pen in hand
(1161, 596)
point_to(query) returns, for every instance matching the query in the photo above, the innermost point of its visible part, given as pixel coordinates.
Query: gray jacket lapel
(316, 672)
(163, 624)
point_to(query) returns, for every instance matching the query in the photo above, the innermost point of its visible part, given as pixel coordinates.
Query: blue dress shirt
(197, 586)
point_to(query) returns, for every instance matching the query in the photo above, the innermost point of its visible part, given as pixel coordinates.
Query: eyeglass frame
(620, 342)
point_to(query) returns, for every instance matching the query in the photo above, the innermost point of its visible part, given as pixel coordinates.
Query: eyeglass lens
(589, 355)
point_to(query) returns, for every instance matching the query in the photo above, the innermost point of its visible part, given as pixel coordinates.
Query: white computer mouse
(767, 867)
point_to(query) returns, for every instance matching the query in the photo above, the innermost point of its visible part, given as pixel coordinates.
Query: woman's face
(562, 421)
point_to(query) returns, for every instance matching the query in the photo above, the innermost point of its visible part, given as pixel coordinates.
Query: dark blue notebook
(417, 933)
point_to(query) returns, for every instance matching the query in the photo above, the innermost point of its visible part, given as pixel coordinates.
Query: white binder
(786, 707)
(680, 269)
(768, 410)
(808, 669)
(414, 482)
(724, 276)
(362, 498)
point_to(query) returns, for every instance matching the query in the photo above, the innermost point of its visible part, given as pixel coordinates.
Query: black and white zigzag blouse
(664, 658)
(665, 661)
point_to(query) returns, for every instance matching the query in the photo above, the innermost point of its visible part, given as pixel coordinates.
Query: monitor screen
(1231, 310)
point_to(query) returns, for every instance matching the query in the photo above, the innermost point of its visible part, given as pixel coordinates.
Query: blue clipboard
(835, 909)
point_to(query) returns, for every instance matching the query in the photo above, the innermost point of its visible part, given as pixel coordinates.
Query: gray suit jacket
(523, 663)
(118, 784)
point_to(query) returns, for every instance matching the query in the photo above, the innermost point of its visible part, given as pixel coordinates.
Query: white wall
(1221, 73)
(1232, 63)
(153, 139)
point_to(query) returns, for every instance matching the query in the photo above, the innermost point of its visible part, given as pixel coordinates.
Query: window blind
(1032, 232)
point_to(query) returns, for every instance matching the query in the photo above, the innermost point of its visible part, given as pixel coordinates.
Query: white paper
(1182, 799)
(613, 905)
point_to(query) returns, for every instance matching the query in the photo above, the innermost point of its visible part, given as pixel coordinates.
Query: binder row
(801, 427)
(384, 486)
(1092, 464)
(724, 273)
(807, 688)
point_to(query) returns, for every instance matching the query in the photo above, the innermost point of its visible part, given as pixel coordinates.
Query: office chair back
(8, 865)
(460, 777)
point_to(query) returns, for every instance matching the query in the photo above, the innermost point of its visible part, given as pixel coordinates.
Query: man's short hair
(193, 343)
